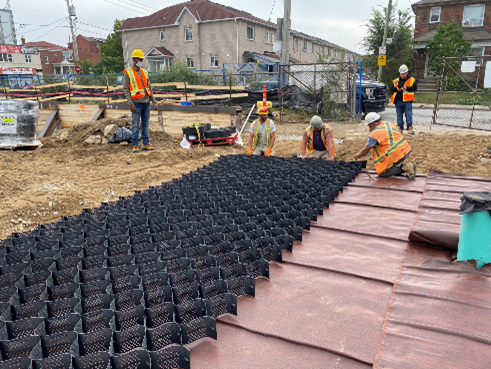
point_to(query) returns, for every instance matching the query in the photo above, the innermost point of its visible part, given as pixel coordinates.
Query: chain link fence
(464, 93)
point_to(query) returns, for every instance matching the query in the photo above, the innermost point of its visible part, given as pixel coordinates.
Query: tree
(449, 41)
(399, 52)
(112, 60)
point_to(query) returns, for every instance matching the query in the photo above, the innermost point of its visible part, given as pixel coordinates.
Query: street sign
(389, 41)
(382, 59)
(78, 69)
(382, 50)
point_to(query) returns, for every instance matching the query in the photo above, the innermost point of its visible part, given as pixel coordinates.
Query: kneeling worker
(262, 134)
(318, 142)
(390, 148)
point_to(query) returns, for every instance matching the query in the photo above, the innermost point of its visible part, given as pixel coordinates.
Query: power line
(120, 6)
(140, 4)
(49, 31)
(33, 30)
(105, 29)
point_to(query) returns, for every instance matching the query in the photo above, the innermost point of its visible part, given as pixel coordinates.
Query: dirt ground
(62, 178)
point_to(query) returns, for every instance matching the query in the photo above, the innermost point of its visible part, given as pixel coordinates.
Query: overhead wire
(120, 6)
(33, 30)
(49, 31)
(138, 4)
(90, 25)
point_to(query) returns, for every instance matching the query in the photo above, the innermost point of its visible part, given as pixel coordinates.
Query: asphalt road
(421, 117)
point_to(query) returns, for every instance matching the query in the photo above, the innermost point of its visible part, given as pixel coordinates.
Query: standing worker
(318, 141)
(403, 89)
(390, 148)
(262, 134)
(138, 93)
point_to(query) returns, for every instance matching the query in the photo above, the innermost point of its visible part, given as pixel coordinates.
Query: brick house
(473, 15)
(205, 35)
(88, 47)
(54, 59)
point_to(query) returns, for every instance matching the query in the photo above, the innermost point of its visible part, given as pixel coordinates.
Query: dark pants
(401, 109)
(395, 169)
(143, 113)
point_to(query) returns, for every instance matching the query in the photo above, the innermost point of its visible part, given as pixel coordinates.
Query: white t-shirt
(263, 140)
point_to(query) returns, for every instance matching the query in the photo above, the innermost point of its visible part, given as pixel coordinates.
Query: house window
(473, 16)
(272, 37)
(162, 35)
(295, 44)
(267, 37)
(190, 62)
(214, 61)
(250, 32)
(478, 51)
(305, 46)
(188, 34)
(28, 58)
(67, 56)
(329, 52)
(46, 60)
(312, 47)
(435, 14)
(6, 58)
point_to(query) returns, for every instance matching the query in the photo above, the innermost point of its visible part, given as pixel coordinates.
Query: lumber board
(9, 90)
(204, 87)
(177, 84)
(180, 94)
(76, 98)
(224, 96)
(114, 88)
(88, 87)
(53, 85)
(50, 124)
(55, 98)
(98, 115)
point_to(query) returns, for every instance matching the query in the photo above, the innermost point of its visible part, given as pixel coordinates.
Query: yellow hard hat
(137, 53)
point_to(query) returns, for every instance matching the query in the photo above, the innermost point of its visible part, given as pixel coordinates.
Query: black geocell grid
(130, 283)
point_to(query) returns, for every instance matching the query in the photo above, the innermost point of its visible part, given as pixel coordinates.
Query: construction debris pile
(132, 281)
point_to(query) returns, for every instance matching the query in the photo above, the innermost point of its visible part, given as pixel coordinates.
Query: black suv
(373, 96)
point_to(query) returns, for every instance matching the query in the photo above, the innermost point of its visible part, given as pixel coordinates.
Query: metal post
(315, 91)
(384, 42)
(285, 42)
(475, 92)
(359, 92)
(353, 92)
(186, 92)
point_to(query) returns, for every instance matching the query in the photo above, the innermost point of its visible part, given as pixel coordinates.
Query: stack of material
(18, 123)
(132, 281)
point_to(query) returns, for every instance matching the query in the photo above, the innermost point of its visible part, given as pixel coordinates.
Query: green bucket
(475, 228)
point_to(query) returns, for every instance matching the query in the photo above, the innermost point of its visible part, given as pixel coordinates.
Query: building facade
(474, 16)
(88, 48)
(55, 59)
(7, 28)
(19, 65)
(205, 35)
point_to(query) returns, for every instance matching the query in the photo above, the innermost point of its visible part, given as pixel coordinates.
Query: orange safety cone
(264, 95)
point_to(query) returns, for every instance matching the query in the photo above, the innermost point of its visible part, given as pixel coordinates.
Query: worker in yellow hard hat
(262, 134)
(139, 94)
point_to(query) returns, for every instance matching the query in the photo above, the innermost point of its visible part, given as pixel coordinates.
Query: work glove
(249, 152)
(268, 152)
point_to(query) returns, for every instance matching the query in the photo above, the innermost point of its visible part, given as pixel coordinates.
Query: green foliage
(112, 60)
(399, 52)
(469, 101)
(449, 41)
(179, 72)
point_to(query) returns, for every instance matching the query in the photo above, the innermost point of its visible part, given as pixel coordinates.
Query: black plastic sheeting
(130, 283)
(473, 202)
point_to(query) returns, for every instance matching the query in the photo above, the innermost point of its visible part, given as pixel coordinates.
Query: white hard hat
(371, 117)
(316, 121)
(403, 69)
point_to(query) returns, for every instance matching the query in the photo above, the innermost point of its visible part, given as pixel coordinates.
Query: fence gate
(463, 98)
(317, 88)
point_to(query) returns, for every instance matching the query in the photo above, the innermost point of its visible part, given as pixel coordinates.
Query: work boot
(410, 131)
(135, 149)
(410, 169)
(147, 148)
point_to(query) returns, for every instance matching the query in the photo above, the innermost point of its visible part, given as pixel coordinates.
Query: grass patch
(461, 99)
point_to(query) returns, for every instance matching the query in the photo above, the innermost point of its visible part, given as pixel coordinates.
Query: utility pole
(75, 50)
(285, 43)
(384, 42)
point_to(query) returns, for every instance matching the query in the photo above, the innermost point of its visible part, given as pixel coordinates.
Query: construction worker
(262, 134)
(403, 89)
(390, 148)
(318, 142)
(138, 93)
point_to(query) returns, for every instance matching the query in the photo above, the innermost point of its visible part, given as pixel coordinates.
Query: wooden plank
(88, 87)
(54, 98)
(24, 98)
(114, 88)
(26, 90)
(77, 98)
(48, 106)
(212, 97)
(177, 84)
(53, 85)
(174, 95)
(204, 87)
(183, 108)
(50, 125)
(98, 115)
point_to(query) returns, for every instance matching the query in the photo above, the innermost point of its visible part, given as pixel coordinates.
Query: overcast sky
(337, 21)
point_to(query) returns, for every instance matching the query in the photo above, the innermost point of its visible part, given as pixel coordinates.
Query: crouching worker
(318, 141)
(390, 148)
(262, 134)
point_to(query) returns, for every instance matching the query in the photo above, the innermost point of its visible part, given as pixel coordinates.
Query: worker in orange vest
(390, 148)
(403, 89)
(318, 141)
(262, 134)
(138, 92)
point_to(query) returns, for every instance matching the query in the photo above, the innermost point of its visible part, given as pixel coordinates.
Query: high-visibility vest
(391, 147)
(138, 85)
(256, 124)
(310, 134)
(406, 96)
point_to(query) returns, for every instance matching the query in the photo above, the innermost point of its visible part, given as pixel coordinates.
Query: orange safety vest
(310, 134)
(138, 85)
(406, 96)
(391, 147)
(256, 125)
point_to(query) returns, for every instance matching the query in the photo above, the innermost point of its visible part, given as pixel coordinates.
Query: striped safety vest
(406, 96)
(256, 125)
(310, 134)
(138, 85)
(391, 147)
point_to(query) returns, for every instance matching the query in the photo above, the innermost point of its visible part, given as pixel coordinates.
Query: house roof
(469, 35)
(268, 58)
(159, 49)
(433, 2)
(46, 45)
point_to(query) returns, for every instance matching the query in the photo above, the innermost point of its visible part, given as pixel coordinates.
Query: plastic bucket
(475, 238)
